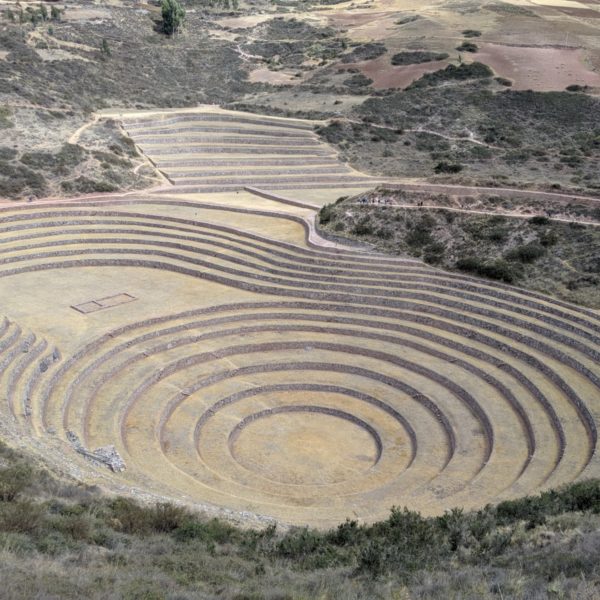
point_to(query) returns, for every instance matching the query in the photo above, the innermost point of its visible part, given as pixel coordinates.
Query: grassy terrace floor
(209, 150)
(218, 343)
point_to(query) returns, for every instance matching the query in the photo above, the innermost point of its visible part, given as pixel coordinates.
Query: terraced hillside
(233, 363)
(214, 150)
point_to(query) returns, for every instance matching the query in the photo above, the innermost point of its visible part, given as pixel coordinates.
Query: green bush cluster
(526, 253)
(496, 269)
(462, 72)
(468, 47)
(69, 155)
(417, 57)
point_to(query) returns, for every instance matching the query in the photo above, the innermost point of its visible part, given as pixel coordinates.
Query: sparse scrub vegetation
(508, 249)
(417, 56)
(368, 51)
(47, 525)
(524, 137)
(5, 120)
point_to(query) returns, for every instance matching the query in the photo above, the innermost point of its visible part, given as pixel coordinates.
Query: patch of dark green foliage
(417, 57)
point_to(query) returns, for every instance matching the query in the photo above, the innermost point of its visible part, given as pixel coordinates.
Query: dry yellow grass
(258, 373)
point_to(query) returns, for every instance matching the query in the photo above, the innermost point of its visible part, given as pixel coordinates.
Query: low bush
(462, 72)
(69, 155)
(14, 480)
(498, 269)
(325, 214)
(503, 81)
(526, 253)
(417, 56)
(367, 51)
(363, 226)
(446, 167)
(539, 220)
(468, 47)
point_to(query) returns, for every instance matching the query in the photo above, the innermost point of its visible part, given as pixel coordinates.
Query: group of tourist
(375, 200)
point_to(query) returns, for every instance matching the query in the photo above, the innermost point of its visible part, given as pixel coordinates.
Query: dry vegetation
(551, 249)
(63, 540)
(225, 357)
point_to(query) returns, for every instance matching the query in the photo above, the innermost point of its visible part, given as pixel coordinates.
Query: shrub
(417, 57)
(503, 81)
(357, 82)
(549, 238)
(211, 532)
(129, 517)
(539, 220)
(69, 155)
(471, 33)
(468, 47)
(497, 234)
(5, 114)
(173, 15)
(326, 214)
(299, 543)
(446, 167)
(14, 480)
(363, 227)
(348, 533)
(84, 185)
(367, 51)
(21, 517)
(499, 269)
(527, 253)
(75, 526)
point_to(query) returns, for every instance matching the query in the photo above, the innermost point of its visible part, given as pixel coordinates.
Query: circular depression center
(305, 445)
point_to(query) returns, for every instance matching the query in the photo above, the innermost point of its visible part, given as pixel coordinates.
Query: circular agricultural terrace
(235, 364)
(323, 384)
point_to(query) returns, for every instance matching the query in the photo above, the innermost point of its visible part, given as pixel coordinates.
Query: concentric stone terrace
(211, 150)
(253, 370)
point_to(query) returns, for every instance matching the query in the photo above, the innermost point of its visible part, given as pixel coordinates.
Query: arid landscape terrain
(288, 267)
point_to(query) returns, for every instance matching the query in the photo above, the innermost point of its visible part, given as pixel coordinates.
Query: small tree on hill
(105, 48)
(173, 15)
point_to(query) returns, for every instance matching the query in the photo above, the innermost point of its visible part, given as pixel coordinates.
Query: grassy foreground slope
(62, 540)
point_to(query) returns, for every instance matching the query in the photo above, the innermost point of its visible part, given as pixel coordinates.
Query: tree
(55, 13)
(173, 15)
(43, 12)
(105, 48)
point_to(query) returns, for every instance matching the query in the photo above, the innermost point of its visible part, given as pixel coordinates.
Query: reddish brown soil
(540, 69)
(385, 75)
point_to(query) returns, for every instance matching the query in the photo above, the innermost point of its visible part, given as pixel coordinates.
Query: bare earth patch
(538, 69)
(385, 75)
(265, 75)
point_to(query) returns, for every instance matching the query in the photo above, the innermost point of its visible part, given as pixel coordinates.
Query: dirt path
(470, 138)
(245, 56)
(512, 214)
(506, 192)
(74, 138)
